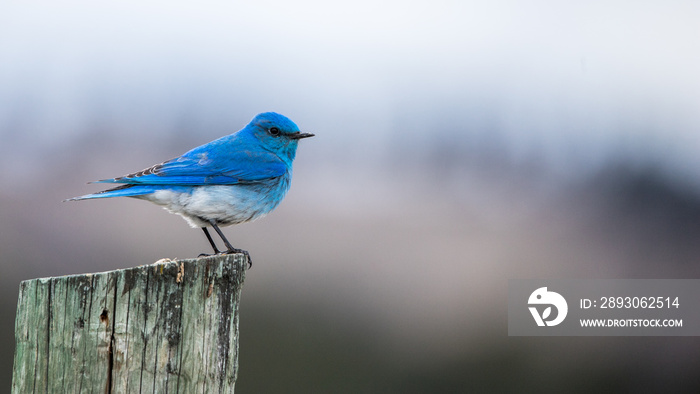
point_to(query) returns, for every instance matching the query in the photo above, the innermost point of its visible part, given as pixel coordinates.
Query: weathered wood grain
(169, 327)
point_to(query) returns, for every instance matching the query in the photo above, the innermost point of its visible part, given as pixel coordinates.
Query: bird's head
(277, 133)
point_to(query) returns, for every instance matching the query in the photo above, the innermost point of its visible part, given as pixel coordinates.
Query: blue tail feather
(121, 191)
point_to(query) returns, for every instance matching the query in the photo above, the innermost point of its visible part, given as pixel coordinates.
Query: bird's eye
(274, 131)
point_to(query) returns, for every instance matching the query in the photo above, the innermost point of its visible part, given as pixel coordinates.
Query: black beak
(300, 135)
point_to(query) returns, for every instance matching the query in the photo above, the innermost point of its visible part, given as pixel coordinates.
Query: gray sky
(545, 78)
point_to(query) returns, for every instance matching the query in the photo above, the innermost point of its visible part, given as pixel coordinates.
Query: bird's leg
(216, 228)
(211, 241)
(231, 249)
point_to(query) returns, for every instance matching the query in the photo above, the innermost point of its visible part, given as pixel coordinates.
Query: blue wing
(209, 164)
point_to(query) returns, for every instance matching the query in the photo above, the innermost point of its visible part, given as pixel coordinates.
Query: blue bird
(234, 179)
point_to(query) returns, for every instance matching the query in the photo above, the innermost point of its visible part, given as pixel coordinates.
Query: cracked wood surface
(168, 327)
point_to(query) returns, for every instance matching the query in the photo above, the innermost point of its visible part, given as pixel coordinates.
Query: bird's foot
(230, 251)
(245, 252)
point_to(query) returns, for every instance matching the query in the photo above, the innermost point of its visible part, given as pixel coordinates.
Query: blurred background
(459, 144)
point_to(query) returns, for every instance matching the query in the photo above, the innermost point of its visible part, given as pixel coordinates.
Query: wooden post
(169, 327)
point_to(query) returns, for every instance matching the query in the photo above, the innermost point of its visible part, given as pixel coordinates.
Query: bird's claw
(230, 251)
(245, 252)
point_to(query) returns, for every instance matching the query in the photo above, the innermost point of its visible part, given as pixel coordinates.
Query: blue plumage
(231, 180)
